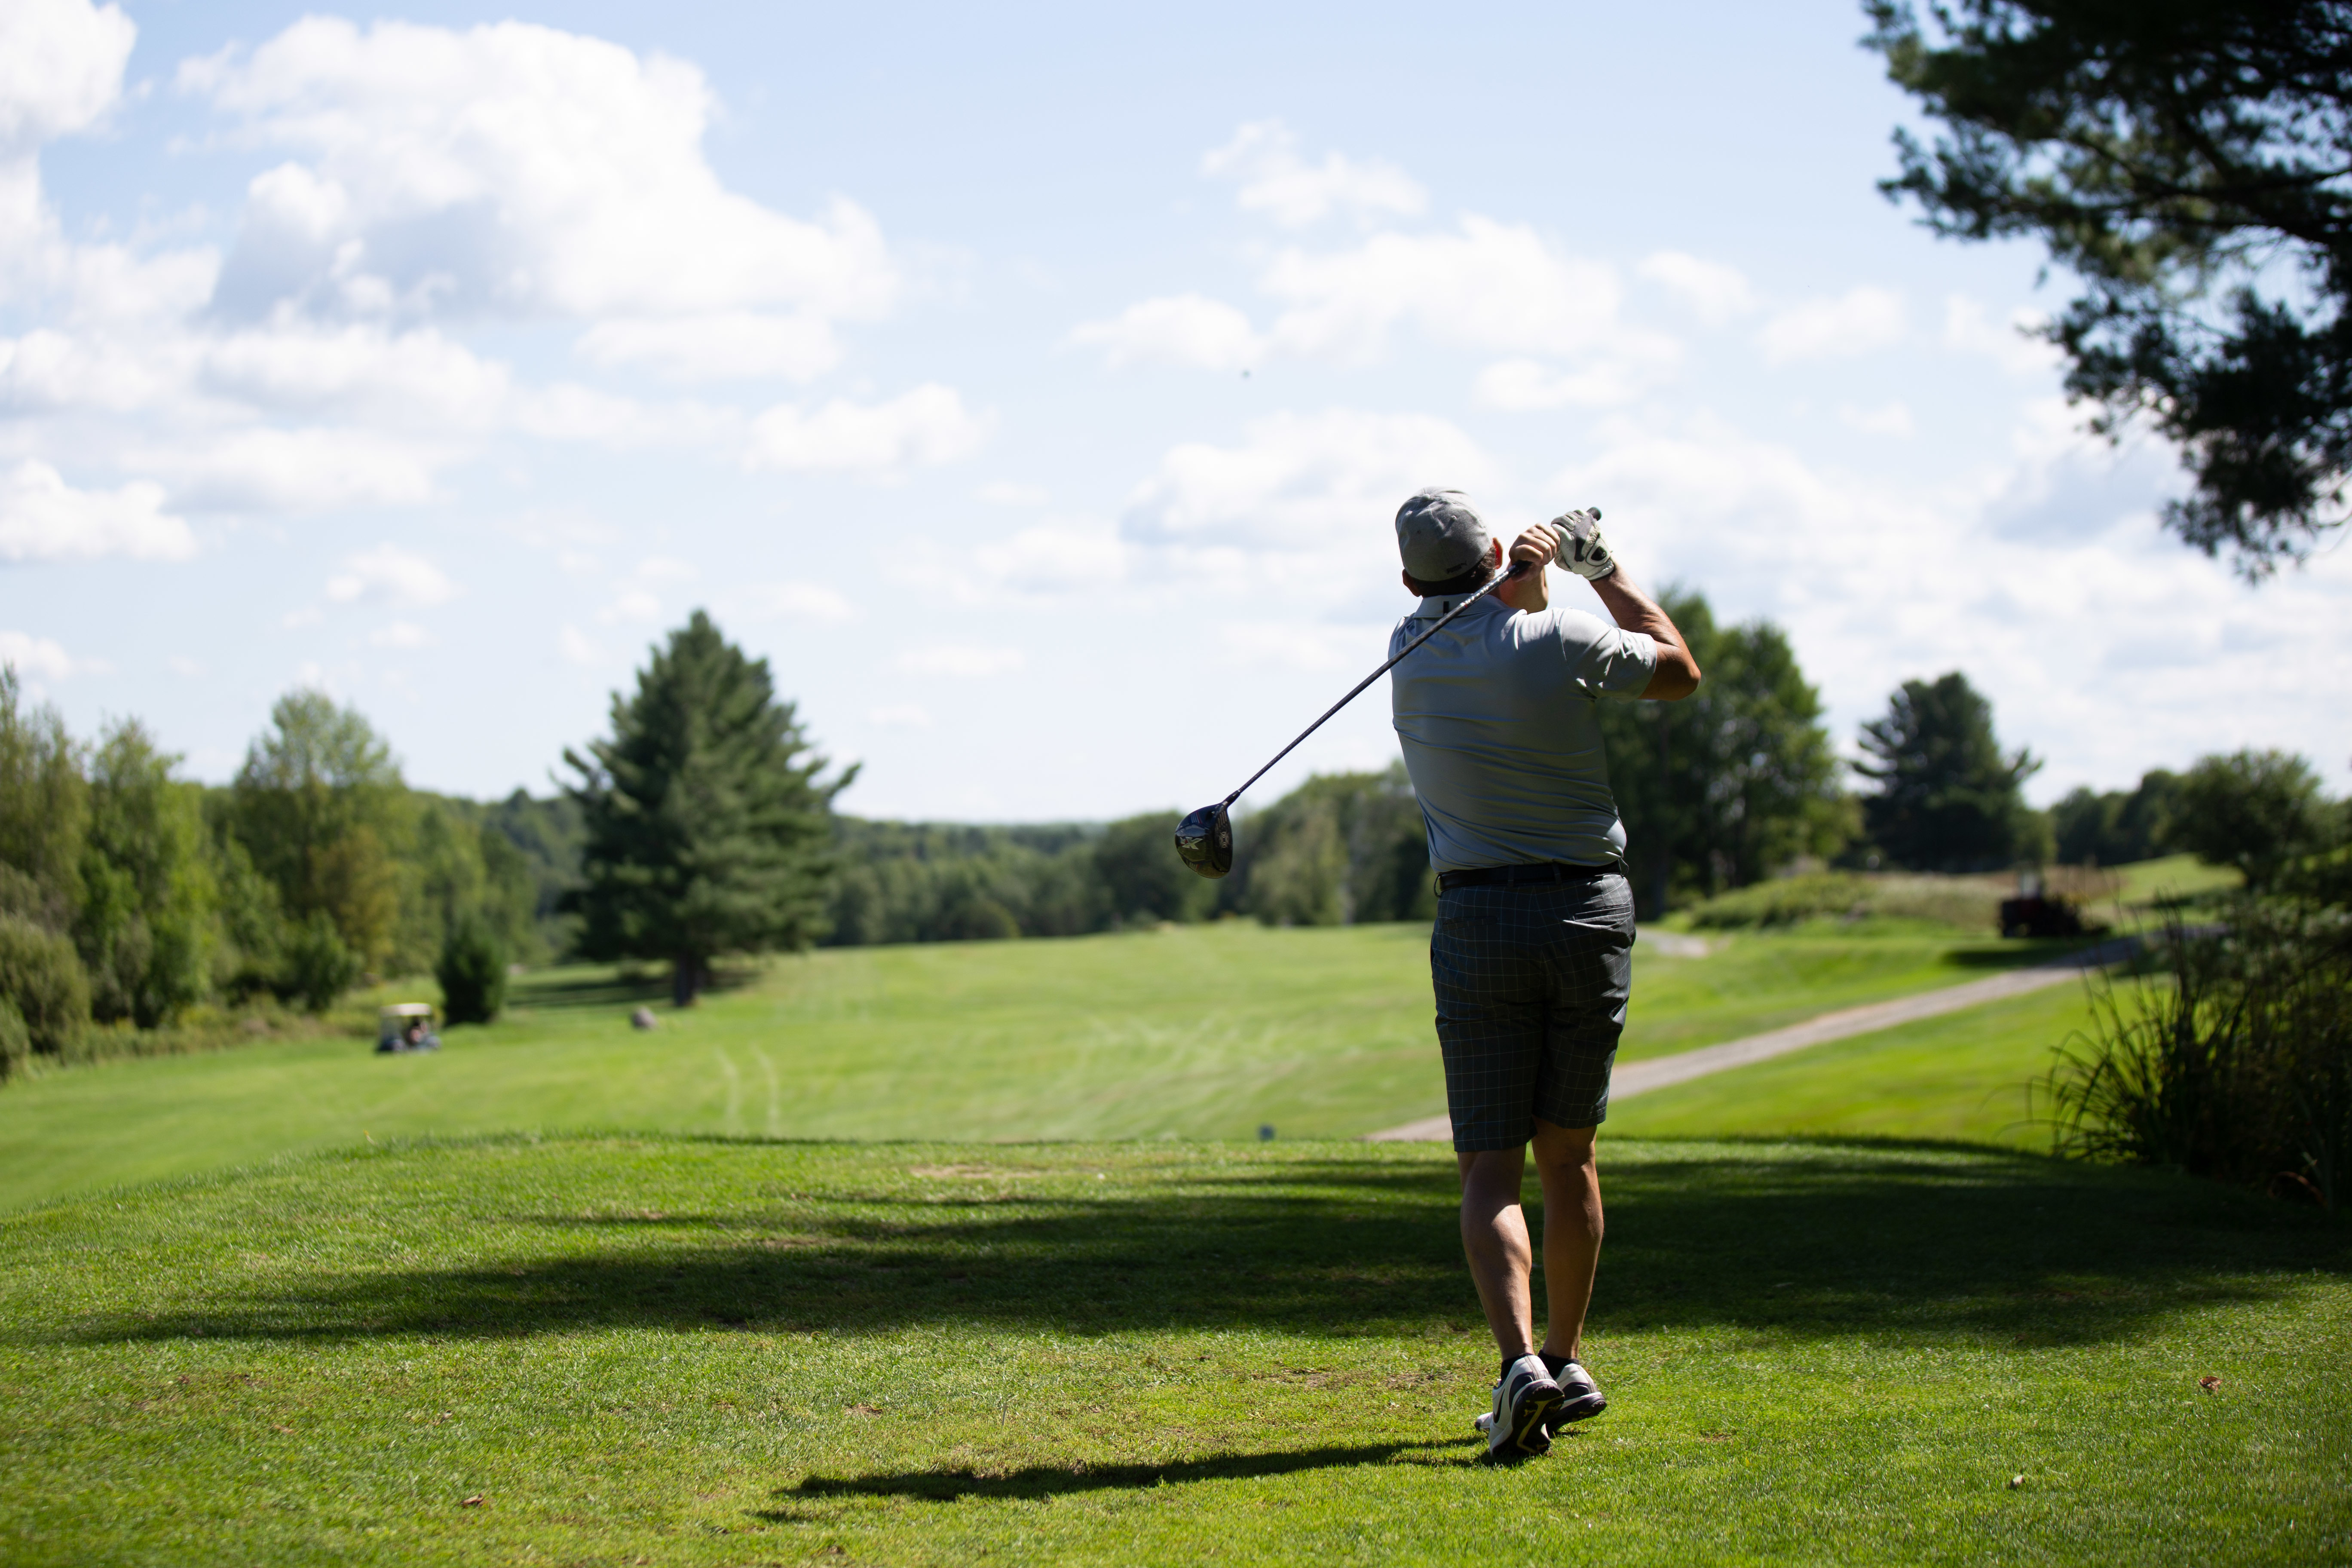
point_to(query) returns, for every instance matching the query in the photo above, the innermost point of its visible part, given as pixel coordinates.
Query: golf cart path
(1663, 1073)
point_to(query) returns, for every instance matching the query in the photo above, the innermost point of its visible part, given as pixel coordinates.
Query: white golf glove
(1582, 549)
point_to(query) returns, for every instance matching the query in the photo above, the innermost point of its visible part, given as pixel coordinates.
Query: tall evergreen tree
(708, 829)
(1948, 797)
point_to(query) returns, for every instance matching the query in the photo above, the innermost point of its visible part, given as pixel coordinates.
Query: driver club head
(1205, 841)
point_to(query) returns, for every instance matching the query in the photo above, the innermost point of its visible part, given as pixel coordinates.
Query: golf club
(1204, 840)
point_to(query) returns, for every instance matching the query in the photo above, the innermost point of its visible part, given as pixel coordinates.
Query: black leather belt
(1537, 873)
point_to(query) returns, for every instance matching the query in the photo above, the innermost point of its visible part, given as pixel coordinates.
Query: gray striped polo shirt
(1495, 716)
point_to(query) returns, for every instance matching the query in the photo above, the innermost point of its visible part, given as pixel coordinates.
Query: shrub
(42, 975)
(2235, 1061)
(316, 967)
(472, 971)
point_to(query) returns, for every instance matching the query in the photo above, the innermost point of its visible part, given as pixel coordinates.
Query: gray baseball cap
(1438, 535)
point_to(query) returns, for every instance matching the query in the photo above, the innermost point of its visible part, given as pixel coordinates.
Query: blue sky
(1033, 388)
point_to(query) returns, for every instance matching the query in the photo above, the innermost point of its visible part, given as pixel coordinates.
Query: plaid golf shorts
(1531, 987)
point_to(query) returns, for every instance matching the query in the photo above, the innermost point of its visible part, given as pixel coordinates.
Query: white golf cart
(405, 1026)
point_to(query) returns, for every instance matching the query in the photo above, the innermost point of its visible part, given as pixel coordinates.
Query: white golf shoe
(1580, 1398)
(1524, 1401)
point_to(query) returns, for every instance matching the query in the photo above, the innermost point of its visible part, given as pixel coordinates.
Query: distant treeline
(703, 826)
(131, 897)
(1338, 849)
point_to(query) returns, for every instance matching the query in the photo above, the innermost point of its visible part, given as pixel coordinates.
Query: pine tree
(1948, 798)
(2183, 159)
(707, 830)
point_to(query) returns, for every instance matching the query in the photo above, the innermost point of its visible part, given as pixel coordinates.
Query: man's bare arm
(1535, 547)
(1677, 675)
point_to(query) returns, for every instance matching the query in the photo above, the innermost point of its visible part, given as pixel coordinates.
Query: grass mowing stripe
(1319, 1033)
(702, 1352)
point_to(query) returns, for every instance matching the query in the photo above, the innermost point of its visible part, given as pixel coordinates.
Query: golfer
(1532, 953)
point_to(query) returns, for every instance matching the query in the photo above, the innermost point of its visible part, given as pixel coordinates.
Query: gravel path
(1660, 1072)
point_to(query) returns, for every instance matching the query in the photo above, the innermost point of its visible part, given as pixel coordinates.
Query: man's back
(1495, 718)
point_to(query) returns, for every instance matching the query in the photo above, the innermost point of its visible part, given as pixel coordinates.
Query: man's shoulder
(1560, 624)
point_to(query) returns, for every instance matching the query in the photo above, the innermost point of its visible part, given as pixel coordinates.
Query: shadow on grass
(1049, 1481)
(565, 989)
(1908, 1243)
(2018, 955)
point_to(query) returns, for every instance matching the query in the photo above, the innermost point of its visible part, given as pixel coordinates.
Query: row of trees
(2261, 812)
(703, 826)
(132, 897)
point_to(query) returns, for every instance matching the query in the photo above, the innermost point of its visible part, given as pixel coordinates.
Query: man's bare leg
(1495, 1238)
(1571, 1232)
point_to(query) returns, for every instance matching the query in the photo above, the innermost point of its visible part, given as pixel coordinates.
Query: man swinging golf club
(1531, 954)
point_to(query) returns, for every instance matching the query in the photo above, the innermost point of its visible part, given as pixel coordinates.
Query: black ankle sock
(1508, 1363)
(1553, 1364)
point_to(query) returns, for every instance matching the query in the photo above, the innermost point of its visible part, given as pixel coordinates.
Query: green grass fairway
(1961, 1076)
(1198, 1032)
(2171, 877)
(685, 1352)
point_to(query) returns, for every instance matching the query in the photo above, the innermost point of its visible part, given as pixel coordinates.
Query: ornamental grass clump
(2233, 1061)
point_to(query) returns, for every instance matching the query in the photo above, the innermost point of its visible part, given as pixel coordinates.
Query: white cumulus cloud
(391, 575)
(508, 168)
(1264, 158)
(961, 661)
(1047, 560)
(725, 346)
(47, 371)
(321, 469)
(1258, 645)
(1968, 328)
(1485, 285)
(1298, 484)
(1186, 330)
(1888, 419)
(1710, 290)
(30, 656)
(1859, 322)
(926, 425)
(42, 518)
(61, 69)
(400, 635)
(360, 370)
(808, 602)
(1523, 385)
(577, 648)
(632, 605)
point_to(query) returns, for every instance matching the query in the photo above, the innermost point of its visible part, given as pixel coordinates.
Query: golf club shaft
(1517, 569)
